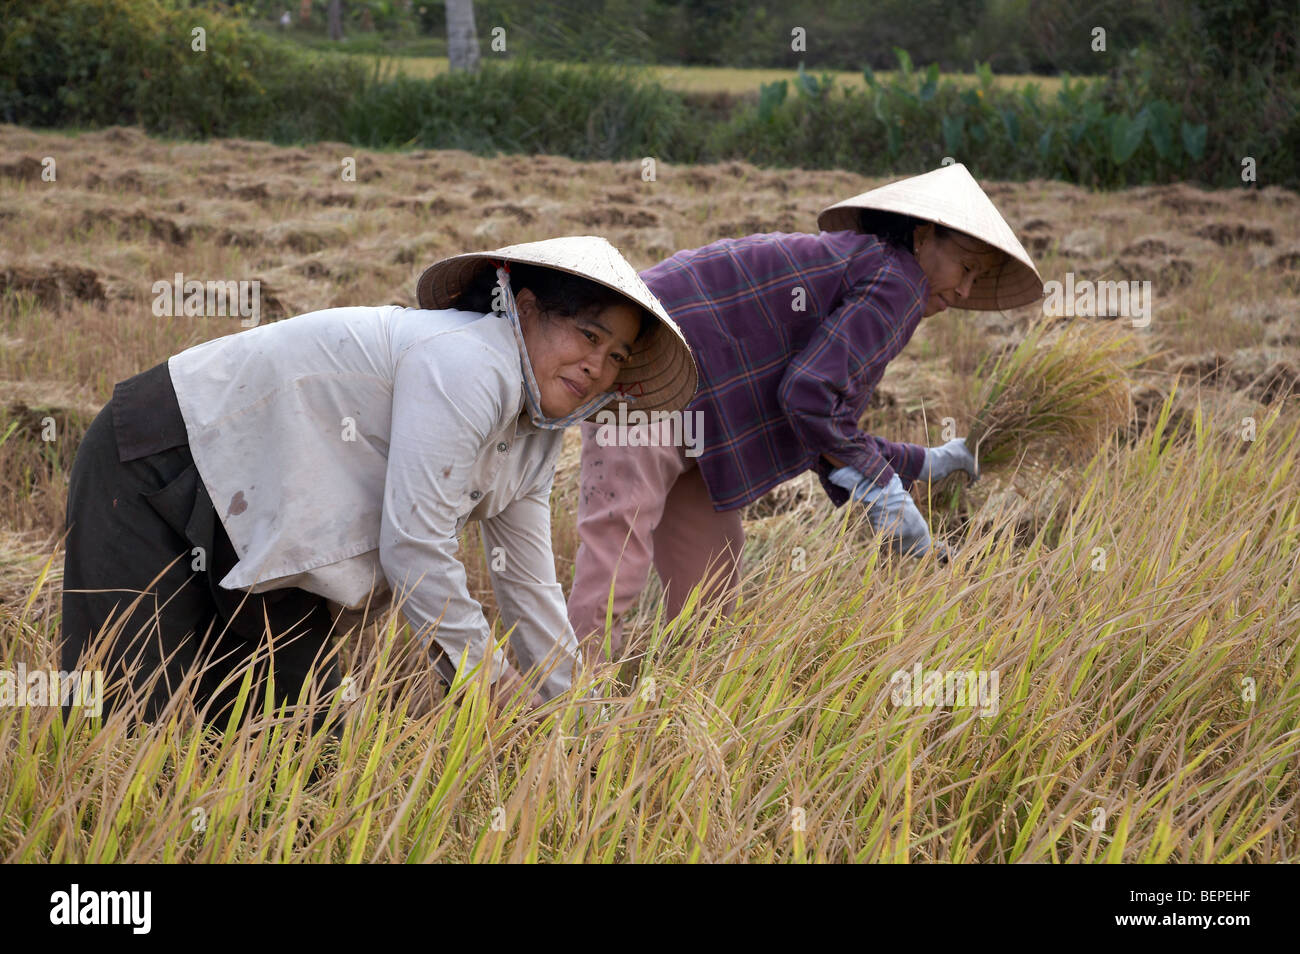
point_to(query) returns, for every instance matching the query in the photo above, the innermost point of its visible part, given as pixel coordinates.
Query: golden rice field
(1128, 568)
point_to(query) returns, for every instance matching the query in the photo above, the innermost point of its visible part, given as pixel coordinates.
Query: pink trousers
(643, 505)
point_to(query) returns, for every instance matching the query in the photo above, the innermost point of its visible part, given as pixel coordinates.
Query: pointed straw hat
(660, 372)
(951, 197)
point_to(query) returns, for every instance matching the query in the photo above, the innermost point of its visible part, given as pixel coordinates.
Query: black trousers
(145, 552)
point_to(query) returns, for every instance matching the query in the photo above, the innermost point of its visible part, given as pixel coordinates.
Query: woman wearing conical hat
(791, 333)
(339, 453)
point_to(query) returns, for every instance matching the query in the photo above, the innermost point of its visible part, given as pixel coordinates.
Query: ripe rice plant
(1063, 396)
(777, 734)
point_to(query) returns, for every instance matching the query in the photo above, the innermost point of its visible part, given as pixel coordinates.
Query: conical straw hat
(952, 197)
(660, 374)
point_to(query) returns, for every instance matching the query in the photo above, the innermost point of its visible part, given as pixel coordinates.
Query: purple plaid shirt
(791, 333)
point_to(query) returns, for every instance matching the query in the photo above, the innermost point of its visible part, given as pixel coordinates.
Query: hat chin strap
(533, 394)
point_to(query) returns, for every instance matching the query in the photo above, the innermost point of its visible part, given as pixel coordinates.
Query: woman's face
(574, 359)
(951, 265)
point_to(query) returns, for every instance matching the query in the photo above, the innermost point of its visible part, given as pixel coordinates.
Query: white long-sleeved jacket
(345, 449)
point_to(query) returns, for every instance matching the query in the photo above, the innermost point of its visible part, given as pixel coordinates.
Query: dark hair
(558, 294)
(893, 228)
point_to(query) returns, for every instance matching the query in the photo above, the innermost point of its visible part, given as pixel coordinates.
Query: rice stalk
(1061, 396)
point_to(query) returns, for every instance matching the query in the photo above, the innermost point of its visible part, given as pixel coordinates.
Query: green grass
(711, 79)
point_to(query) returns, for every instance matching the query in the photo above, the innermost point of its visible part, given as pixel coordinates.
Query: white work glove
(947, 459)
(891, 510)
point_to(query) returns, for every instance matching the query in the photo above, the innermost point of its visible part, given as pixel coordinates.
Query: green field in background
(713, 79)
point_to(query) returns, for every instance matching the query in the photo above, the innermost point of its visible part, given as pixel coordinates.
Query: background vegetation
(1014, 36)
(1189, 103)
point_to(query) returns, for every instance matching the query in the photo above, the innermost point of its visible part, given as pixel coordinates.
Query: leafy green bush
(1234, 67)
(103, 62)
(1085, 133)
(523, 106)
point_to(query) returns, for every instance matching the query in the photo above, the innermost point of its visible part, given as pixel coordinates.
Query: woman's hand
(890, 509)
(947, 459)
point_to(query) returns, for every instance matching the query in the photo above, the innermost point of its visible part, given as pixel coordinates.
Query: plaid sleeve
(906, 459)
(833, 377)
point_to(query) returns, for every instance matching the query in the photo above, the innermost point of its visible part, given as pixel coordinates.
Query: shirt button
(503, 447)
(475, 494)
